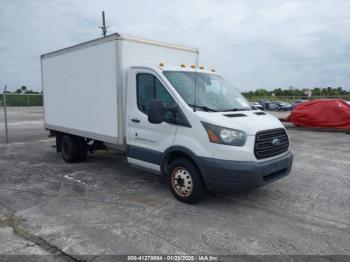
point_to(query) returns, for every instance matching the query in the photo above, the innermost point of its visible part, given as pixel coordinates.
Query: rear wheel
(185, 181)
(73, 149)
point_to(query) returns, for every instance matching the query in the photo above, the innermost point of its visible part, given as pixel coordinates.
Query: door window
(148, 88)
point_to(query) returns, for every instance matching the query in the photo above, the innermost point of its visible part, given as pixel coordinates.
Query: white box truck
(169, 116)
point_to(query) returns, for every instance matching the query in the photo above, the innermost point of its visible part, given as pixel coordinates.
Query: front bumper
(226, 175)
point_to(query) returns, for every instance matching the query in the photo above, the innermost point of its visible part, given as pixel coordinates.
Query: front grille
(264, 146)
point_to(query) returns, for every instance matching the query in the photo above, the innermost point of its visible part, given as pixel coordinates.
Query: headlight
(226, 136)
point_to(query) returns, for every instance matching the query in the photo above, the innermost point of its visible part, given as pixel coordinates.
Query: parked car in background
(273, 106)
(256, 105)
(311, 114)
(280, 106)
(265, 103)
(297, 102)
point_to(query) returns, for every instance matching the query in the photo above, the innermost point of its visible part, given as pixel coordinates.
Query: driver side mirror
(155, 111)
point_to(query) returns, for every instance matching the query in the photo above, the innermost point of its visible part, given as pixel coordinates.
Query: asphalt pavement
(103, 206)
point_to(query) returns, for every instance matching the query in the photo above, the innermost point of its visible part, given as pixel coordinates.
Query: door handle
(135, 120)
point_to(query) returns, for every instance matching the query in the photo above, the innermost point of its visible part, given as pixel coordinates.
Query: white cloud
(255, 44)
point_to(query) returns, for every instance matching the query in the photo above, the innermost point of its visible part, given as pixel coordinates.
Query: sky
(253, 43)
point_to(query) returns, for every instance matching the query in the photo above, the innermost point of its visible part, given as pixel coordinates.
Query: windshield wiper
(204, 108)
(235, 109)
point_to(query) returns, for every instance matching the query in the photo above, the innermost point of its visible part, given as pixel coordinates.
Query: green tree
(261, 92)
(278, 92)
(316, 91)
(339, 90)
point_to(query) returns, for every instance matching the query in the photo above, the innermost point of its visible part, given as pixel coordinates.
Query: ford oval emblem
(276, 142)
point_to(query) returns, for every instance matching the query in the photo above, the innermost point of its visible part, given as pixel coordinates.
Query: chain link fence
(10, 98)
(13, 99)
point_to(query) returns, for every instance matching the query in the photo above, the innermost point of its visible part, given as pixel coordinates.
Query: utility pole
(104, 27)
(5, 115)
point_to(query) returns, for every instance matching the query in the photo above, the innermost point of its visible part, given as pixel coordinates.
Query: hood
(249, 122)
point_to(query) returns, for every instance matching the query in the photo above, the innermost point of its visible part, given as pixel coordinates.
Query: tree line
(24, 90)
(291, 91)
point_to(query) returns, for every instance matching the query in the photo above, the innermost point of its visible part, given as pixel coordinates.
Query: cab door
(146, 142)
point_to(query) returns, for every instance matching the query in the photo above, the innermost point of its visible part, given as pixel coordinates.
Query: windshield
(213, 93)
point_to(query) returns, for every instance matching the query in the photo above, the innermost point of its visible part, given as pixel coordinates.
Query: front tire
(185, 181)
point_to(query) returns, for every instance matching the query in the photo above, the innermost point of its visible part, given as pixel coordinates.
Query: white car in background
(256, 105)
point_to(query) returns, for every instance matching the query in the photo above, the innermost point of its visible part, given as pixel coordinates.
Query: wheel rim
(182, 181)
(65, 148)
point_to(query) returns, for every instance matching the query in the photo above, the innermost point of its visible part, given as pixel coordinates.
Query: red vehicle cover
(322, 113)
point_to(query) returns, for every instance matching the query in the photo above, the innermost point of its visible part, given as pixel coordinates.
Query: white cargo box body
(84, 85)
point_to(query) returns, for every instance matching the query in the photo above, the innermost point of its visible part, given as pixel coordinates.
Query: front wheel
(185, 181)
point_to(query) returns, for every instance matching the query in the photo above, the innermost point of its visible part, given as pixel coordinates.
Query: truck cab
(194, 127)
